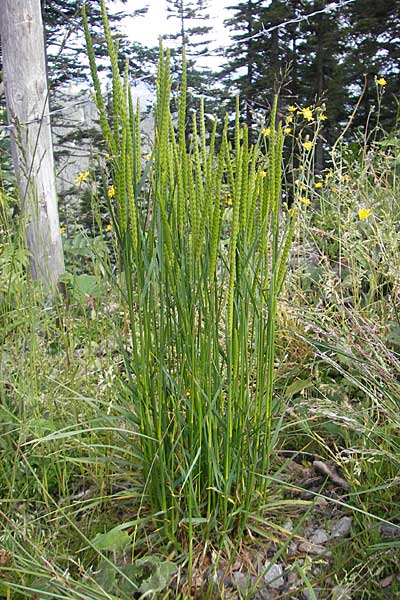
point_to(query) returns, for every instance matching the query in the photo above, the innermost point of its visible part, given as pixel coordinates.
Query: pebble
(342, 527)
(274, 575)
(292, 549)
(288, 525)
(389, 531)
(240, 581)
(316, 549)
(319, 536)
(339, 592)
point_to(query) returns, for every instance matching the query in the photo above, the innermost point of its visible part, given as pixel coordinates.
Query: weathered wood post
(25, 81)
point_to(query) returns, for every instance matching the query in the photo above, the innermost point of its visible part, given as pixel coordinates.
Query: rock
(307, 595)
(240, 581)
(319, 536)
(292, 549)
(264, 594)
(389, 531)
(310, 548)
(292, 579)
(288, 525)
(386, 582)
(339, 592)
(274, 575)
(342, 527)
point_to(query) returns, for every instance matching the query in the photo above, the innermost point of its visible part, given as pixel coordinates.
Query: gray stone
(339, 592)
(342, 527)
(310, 548)
(307, 595)
(319, 536)
(288, 525)
(263, 594)
(241, 581)
(389, 531)
(274, 575)
(292, 549)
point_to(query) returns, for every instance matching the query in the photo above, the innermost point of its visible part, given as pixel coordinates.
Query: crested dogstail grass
(202, 275)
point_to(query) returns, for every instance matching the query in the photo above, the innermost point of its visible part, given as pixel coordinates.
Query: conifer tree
(373, 53)
(193, 35)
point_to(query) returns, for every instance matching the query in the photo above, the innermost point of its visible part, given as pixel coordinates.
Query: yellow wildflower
(299, 184)
(81, 177)
(262, 173)
(381, 81)
(287, 130)
(111, 191)
(109, 227)
(304, 200)
(308, 145)
(266, 131)
(292, 108)
(62, 230)
(228, 201)
(318, 185)
(289, 119)
(107, 156)
(307, 113)
(364, 213)
(323, 117)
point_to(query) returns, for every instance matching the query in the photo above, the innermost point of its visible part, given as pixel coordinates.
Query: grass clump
(202, 277)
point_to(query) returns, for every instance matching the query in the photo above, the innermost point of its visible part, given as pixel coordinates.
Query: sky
(147, 30)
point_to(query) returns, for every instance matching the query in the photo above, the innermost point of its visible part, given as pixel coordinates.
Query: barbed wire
(328, 8)
(66, 109)
(70, 108)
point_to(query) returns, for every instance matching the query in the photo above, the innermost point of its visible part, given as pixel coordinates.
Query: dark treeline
(333, 56)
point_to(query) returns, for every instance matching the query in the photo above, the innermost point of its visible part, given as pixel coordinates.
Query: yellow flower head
(381, 81)
(266, 131)
(292, 108)
(287, 130)
(262, 173)
(81, 177)
(364, 213)
(109, 227)
(228, 201)
(323, 118)
(111, 191)
(318, 185)
(305, 201)
(107, 156)
(307, 113)
(62, 230)
(289, 119)
(308, 145)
